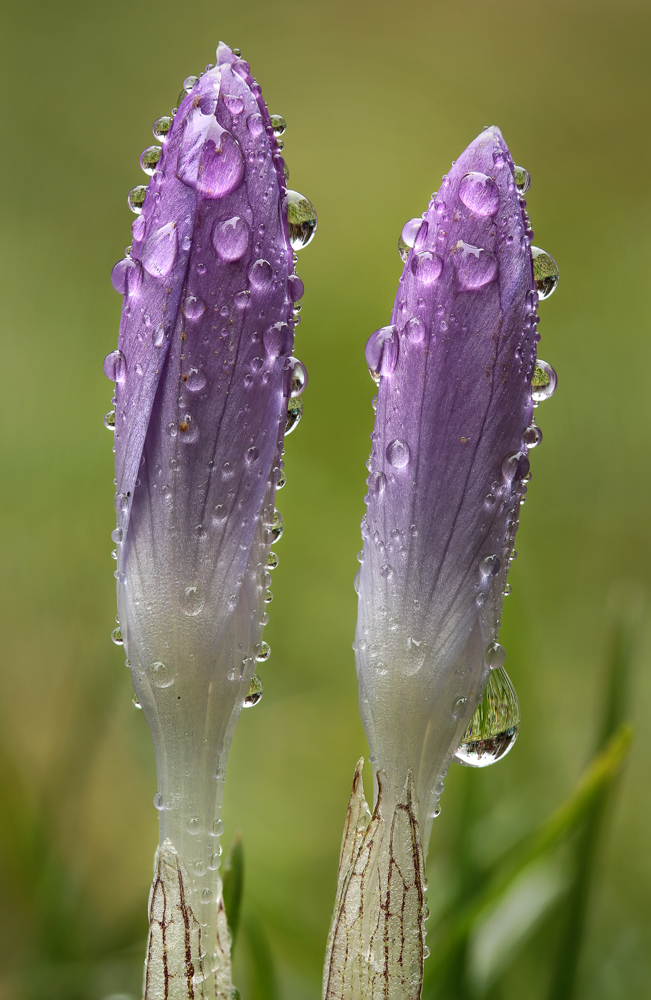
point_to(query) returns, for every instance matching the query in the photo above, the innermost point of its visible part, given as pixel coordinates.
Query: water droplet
(415, 330)
(193, 307)
(135, 702)
(272, 560)
(158, 801)
(533, 435)
(260, 273)
(522, 179)
(282, 481)
(189, 84)
(381, 352)
(278, 124)
(265, 652)
(194, 825)
(109, 420)
(121, 501)
(188, 430)
(192, 600)
(116, 636)
(255, 124)
(116, 535)
(459, 707)
(295, 288)
(160, 251)
(230, 238)
(495, 655)
(508, 589)
(221, 167)
(195, 380)
(301, 219)
(251, 455)
(149, 158)
(543, 383)
(398, 453)
(480, 194)
(426, 266)
(294, 414)
(545, 272)
(490, 565)
(277, 339)
(298, 377)
(275, 528)
(115, 366)
(136, 198)
(494, 726)
(213, 864)
(218, 829)
(408, 236)
(255, 692)
(160, 675)
(475, 267)
(234, 104)
(158, 336)
(126, 276)
(515, 466)
(161, 127)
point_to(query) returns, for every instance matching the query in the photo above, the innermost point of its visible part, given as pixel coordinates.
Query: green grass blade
(263, 983)
(233, 886)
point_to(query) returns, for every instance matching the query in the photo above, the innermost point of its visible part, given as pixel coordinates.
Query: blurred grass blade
(263, 984)
(233, 886)
(458, 921)
(565, 972)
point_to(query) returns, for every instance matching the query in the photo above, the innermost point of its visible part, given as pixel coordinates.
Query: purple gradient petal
(446, 469)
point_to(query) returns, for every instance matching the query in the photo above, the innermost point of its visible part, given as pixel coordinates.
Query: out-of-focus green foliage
(379, 97)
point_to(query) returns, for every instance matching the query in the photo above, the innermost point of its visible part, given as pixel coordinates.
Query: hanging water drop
(136, 198)
(545, 272)
(532, 435)
(264, 653)
(109, 420)
(275, 527)
(494, 726)
(408, 236)
(294, 414)
(272, 561)
(149, 158)
(161, 127)
(522, 179)
(255, 692)
(301, 219)
(116, 636)
(115, 366)
(495, 655)
(543, 383)
(278, 124)
(298, 378)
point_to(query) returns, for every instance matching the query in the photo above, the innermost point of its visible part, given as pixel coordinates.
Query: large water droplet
(162, 126)
(533, 435)
(192, 600)
(494, 726)
(475, 267)
(408, 236)
(301, 219)
(221, 167)
(193, 307)
(255, 123)
(545, 272)
(298, 377)
(382, 352)
(234, 103)
(160, 675)
(275, 527)
(260, 273)
(160, 251)
(116, 636)
(255, 692)
(522, 179)
(277, 339)
(115, 366)
(294, 414)
(230, 238)
(426, 266)
(295, 288)
(543, 383)
(126, 276)
(109, 420)
(278, 124)
(495, 655)
(415, 330)
(136, 198)
(515, 466)
(264, 653)
(398, 453)
(479, 193)
(149, 158)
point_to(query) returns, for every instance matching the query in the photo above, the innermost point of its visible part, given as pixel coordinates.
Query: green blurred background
(379, 96)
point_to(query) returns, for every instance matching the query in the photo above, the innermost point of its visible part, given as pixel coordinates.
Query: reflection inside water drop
(494, 726)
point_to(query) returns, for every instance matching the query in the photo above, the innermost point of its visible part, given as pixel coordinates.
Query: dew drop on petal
(493, 729)
(260, 274)
(294, 415)
(160, 251)
(381, 352)
(230, 238)
(545, 272)
(495, 655)
(115, 366)
(161, 127)
(221, 168)
(543, 382)
(275, 527)
(126, 276)
(415, 330)
(116, 636)
(149, 158)
(278, 124)
(255, 692)
(255, 124)
(277, 339)
(426, 266)
(160, 675)
(474, 266)
(480, 194)
(109, 420)
(196, 380)
(264, 652)
(298, 377)
(522, 179)
(295, 288)
(533, 435)
(192, 601)
(398, 453)
(193, 307)
(301, 219)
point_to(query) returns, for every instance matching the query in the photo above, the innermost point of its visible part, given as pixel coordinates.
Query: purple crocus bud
(205, 386)
(447, 474)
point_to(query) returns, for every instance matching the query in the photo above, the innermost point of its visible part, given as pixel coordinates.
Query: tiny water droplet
(495, 655)
(116, 636)
(294, 414)
(522, 179)
(489, 565)
(515, 466)
(193, 307)
(398, 453)
(192, 601)
(116, 535)
(161, 127)
(493, 729)
(275, 527)
(149, 158)
(158, 801)
(301, 219)
(272, 561)
(255, 692)
(533, 435)
(135, 702)
(136, 198)
(298, 377)
(218, 828)
(408, 236)
(264, 653)
(109, 420)
(195, 380)
(115, 366)
(544, 381)
(545, 272)
(278, 124)
(160, 675)
(194, 825)
(282, 481)
(381, 352)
